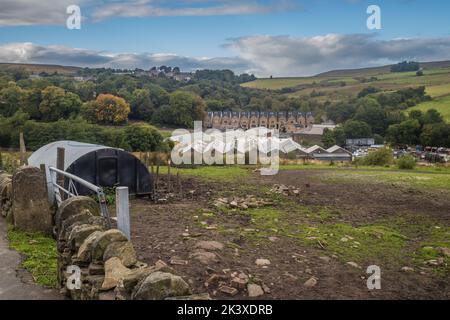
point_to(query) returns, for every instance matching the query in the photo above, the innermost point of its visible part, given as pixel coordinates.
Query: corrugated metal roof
(333, 149)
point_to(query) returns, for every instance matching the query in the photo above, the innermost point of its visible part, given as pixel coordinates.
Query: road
(12, 287)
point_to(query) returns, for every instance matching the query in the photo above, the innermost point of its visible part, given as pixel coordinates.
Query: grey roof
(73, 151)
(333, 149)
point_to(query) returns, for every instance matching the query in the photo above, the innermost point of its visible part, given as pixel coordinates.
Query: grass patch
(442, 105)
(212, 173)
(41, 255)
(312, 226)
(357, 244)
(412, 179)
(428, 237)
(439, 90)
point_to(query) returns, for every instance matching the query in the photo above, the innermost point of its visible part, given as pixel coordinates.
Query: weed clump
(407, 162)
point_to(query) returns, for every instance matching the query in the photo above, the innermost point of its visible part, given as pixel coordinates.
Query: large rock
(106, 238)
(137, 275)
(122, 250)
(161, 285)
(84, 253)
(204, 257)
(193, 297)
(209, 245)
(30, 201)
(79, 233)
(73, 206)
(254, 290)
(68, 224)
(5, 194)
(115, 272)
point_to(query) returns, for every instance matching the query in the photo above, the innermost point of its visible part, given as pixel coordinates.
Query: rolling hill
(38, 68)
(339, 85)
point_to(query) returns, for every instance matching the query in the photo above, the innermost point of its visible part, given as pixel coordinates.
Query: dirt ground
(171, 231)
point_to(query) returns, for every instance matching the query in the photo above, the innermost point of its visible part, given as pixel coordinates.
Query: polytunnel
(97, 164)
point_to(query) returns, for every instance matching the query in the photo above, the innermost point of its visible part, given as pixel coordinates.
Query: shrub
(381, 157)
(143, 137)
(406, 162)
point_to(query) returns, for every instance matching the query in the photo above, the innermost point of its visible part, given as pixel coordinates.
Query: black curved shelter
(103, 166)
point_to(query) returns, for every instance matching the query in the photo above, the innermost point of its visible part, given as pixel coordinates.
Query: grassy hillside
(38, 68)
(440, 104)
(346, 84)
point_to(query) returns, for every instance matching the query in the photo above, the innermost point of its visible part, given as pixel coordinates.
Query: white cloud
(146, 8)
(32, 12)
(32, 53)
(294, 56)
(49, 12)
(261, 55)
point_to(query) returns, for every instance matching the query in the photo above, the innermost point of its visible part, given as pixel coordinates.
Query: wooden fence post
(153, 182)
(179, 182)
(169, 187)
(157, 175)
(123, 211)
(23, 150)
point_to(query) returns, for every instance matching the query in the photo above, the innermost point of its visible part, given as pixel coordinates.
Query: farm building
(336, 153)
(97, 164)
(312, 134)
(238, 143)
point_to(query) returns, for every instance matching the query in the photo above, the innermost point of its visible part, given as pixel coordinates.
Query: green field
(420, 178)
(38, 68)
(440, 104)
(439, 90)
(279, 83)
(436, 79)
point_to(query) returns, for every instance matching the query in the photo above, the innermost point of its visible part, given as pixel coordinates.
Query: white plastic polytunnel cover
(100, 165)
(73, 151)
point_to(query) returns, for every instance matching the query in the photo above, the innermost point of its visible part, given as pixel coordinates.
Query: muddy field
(300, 235)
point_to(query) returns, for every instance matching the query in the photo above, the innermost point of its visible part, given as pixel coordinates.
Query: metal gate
(71, 191)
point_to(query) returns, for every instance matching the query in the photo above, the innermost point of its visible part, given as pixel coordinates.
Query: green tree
(436, 135)
(432, 116)
(33, 99)
(11, 99)
(370, 111)
(86, 90)
(158, 95)
(341, 112)
(143, 137)
(328, 139)
(339, 136)
(89, 111)
(186, 107)
(56, 104)
(355, 129)
(406, 132)
(141, 105)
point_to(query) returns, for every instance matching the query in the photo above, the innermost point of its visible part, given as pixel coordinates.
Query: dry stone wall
(94, 262)
(107, 260)
(5, 193)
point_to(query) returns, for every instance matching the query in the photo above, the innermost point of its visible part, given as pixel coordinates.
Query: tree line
(380, 115)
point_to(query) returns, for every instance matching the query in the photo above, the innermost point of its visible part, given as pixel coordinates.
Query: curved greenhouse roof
(100, 165)
(73, 151)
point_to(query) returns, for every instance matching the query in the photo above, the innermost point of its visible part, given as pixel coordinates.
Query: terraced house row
(286, 122)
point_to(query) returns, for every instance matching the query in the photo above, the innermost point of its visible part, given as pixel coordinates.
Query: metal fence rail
(72, 190)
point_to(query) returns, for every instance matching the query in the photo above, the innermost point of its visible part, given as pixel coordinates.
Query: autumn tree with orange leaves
(107, 109)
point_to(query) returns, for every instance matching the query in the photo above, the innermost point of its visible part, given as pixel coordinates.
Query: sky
(264, 37)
